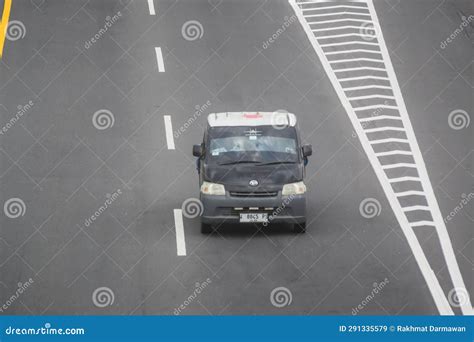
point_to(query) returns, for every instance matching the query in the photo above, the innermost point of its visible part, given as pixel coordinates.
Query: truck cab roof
(226, 119)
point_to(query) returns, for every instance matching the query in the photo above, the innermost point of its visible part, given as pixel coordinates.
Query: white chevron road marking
(307, 9)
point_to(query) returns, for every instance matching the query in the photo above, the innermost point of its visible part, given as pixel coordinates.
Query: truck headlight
(293, 189)
(212, 189)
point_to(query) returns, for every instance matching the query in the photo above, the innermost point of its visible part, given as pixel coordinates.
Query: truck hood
(269, 178)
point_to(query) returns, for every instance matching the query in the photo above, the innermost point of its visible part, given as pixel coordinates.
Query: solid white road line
(358, 109)
(366, 87)
(406, 179)
(336, 13)
(342, 20)
(380, 117)
(151, 7)
(179, 227)
(397, 165)
(388, 140)
(358, 69)
(356, 60)
(326, 7)
(342, 35)
(351, 51)
(347, 79)
(336, 28)
(393, 153)
(410, 193)
(422, 223)
(416, 207)
(159, 59)
(368, 97)
(169, 132)
(350, 43)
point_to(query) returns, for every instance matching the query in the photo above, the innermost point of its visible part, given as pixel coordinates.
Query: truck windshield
(262, 144)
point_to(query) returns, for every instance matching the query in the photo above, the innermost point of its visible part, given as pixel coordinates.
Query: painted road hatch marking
(341, 35)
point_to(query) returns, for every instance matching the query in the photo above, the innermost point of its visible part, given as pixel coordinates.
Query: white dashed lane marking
(179, 227)
(169, 132)
(159, 59)
(151, 7)
(358, 64)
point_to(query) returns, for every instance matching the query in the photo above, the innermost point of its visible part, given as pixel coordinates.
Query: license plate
(254, 217)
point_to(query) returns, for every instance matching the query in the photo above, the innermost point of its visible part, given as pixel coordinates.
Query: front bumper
(280, 209)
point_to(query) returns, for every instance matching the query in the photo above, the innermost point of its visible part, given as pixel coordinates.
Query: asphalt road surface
(101, 102)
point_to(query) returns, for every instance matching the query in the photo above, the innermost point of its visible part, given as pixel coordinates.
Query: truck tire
(206, 228)
(299, 228)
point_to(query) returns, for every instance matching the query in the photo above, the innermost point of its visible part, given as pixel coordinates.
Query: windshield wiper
(276, 162)
(240, 162)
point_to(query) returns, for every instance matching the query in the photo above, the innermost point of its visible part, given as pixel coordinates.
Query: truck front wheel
(206, 228)
(299, 227)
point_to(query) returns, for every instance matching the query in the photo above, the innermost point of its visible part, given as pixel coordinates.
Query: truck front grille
(254, 194)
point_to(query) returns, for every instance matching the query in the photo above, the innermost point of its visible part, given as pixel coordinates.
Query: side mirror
(197, 150)
(307, 150)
